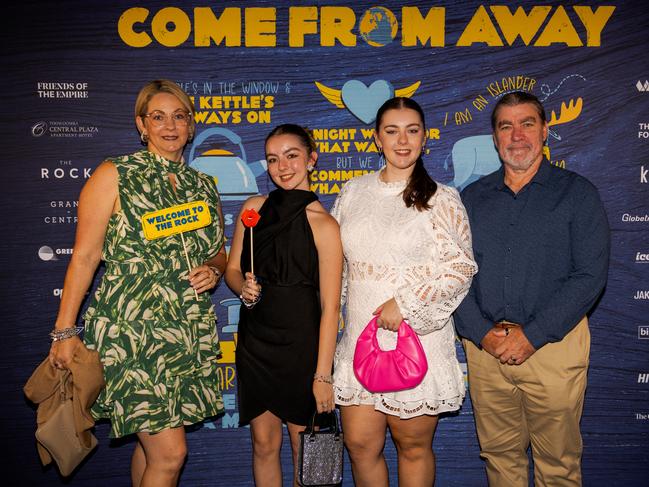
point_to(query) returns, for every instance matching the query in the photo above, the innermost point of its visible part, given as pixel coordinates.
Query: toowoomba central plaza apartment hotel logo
(63, 128)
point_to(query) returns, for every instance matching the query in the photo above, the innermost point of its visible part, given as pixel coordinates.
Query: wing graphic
(334, 96)
(408, 91)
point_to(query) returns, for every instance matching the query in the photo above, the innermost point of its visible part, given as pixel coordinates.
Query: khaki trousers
(539, 403)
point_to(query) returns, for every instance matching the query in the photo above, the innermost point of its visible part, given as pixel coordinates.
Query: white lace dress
(423, 260)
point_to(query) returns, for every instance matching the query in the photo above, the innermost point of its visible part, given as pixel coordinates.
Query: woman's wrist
(58, 334)
(58, 326)
(246, 303)
(249, 303)
(327, 379)
(217, 272)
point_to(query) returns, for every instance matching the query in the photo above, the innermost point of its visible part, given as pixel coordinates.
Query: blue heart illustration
(363, 101)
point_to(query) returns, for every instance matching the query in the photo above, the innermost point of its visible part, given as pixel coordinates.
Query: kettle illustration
(228, 347)
(236, 179)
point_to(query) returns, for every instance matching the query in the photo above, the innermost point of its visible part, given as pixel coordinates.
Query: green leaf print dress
(158, 344)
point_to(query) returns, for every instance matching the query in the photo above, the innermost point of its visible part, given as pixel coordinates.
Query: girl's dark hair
(420, 187)
(300, 132)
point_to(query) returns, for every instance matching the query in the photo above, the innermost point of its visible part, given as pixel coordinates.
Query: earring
(309, 167)
(380, 151)
(191, 137)
(144, 138)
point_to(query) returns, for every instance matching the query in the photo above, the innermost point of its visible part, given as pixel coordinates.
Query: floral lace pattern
(423, 260)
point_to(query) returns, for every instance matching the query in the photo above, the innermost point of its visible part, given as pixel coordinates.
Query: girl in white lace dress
(407, 246)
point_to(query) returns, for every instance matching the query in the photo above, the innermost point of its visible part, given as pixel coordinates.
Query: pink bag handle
(389, 370)
(372, 327)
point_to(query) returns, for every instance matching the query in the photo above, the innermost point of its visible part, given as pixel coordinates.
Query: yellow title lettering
(519, 24)
(594, 22)
(171, 16)
(480, 29)
(127, 21)
(260, 27)
(337, 25)
(301, 21)
(559, 30)
(417, 30)
(208, 27)
(497, 25)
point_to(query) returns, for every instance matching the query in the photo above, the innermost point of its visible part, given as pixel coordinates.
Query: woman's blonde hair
(154, 87)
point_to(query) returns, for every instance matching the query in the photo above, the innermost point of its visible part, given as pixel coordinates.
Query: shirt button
(509, 249)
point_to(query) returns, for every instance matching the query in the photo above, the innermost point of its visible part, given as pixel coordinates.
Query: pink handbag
(389, 370)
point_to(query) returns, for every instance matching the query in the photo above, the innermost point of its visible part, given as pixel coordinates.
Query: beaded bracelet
(216, 271)
(327, 379)
(58, 335)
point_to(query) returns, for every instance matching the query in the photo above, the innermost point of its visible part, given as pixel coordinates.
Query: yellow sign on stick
(176, 219)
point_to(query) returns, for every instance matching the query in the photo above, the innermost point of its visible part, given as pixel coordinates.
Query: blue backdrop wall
(72, 70)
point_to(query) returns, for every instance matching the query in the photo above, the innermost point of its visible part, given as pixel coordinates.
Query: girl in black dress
(287, 332)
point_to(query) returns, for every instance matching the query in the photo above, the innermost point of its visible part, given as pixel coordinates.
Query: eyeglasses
(159, 118)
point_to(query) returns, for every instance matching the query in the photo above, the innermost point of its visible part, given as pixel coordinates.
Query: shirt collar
(543, 174)
(541, 177)
(500, 180)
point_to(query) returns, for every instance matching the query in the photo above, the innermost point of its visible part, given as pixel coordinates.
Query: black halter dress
(277, 348)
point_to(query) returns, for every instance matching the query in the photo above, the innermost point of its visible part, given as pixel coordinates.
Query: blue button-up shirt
(542, 254)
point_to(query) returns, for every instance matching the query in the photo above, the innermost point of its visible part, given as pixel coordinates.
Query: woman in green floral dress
(152, 319)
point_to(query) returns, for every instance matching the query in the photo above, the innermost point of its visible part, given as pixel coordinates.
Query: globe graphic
(378, 26)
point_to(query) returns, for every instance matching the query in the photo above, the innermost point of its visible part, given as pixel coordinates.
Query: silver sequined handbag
(320, 454)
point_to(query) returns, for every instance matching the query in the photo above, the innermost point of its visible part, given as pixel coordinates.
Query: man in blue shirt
(541, 241)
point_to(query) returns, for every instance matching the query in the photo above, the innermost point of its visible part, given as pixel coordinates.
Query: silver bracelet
(248, 304)
(58, 335)
(216, 271)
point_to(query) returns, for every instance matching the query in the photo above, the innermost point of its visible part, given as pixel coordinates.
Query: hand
(324, 396)
(251, 289)
(203, 278)
(62, 352)
(390, 316)
(515, 348)
(492, 340)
